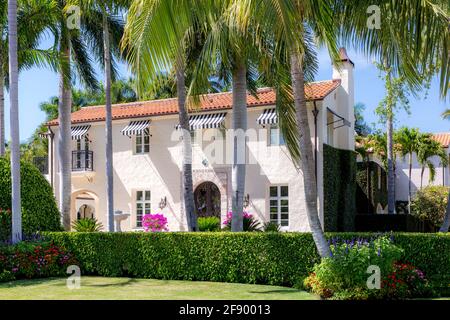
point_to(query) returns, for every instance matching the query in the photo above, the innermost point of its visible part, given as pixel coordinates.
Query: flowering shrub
(249, 222)
(154, 222)
(32, 260)
(405, 281)
(344, 275)
(5, 225)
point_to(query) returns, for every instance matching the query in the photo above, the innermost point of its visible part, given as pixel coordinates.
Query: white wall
(402, 176)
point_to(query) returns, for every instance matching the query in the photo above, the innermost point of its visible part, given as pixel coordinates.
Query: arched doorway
(207, 200)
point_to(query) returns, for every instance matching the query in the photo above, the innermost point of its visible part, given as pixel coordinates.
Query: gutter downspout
(315, 113)
(52, 136)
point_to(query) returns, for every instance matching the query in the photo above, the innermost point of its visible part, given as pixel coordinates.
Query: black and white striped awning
(269, 116)
(135, 128)
(206, 121)
(79, 132)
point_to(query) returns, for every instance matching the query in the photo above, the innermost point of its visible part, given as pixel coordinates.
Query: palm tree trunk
(306, 150)
(421, 176)
(239, 145)
(446, 224)
(188, 189)
(14, 122)
(409, 184)
(390, 162)
(64, 137)
(2, 108)
(108, 126)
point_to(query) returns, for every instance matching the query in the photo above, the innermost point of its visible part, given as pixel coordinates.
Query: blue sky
(38, 85)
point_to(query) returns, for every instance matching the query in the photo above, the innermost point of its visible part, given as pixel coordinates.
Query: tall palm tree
(73, 48)
(408, 139)
(152, 50)
(446, 114)
(29, 53)
(428, 148)
(14, 114)
(107, 9)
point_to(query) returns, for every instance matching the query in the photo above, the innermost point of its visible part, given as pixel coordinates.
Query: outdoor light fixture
(163, 203)
(246, 200)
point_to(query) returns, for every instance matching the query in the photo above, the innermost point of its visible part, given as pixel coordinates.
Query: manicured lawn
(127, 288)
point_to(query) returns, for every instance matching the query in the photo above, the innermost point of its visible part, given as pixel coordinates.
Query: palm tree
(107, 10)
(29, 54)
(446, 114)
(73, 46)
(14, 114)
(408, 140)
(428, 148)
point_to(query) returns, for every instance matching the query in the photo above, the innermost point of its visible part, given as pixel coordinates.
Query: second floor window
(142, 142)
(276, 138)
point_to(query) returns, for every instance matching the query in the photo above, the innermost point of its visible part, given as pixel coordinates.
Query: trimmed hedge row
(266, 258)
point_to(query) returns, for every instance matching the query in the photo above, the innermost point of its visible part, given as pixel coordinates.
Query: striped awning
(206, 121)
(79, 132)
(269, 116)
(135, 128)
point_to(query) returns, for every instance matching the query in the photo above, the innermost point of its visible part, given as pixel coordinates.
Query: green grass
(93, 288)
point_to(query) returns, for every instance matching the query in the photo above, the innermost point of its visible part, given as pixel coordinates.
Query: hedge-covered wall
(339, 184)
(250, 257)
(39, 210)
(377, 195)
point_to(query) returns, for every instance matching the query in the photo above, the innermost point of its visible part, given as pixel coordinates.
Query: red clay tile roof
(210, 102)
(442, 138)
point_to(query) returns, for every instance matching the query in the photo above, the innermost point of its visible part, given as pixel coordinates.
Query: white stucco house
(147, 156)
(442, 177)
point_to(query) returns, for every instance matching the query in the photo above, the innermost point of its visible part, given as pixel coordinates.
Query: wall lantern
(246, 200)
(163, 203)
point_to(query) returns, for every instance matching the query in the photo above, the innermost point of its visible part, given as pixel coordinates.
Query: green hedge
(267, 258)
(339, 184)
(39, 210)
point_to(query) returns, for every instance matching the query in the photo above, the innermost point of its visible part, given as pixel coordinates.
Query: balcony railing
(41, 163)
(82, 160)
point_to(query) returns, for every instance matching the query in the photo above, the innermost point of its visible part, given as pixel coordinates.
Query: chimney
(343, 70)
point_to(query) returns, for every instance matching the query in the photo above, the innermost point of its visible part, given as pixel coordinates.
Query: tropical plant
(250, 223)
(408, 140)
(446, 114)
(108, 10)
(74, 42)
(87, 225)
(32, 20)
(151, 50)
(208, 224)
(428, 148)
(270, 226)
(430, 203)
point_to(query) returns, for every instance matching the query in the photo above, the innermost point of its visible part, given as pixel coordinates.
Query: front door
(207, 200)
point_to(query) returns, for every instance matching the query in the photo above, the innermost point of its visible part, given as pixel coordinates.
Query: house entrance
(207, 200)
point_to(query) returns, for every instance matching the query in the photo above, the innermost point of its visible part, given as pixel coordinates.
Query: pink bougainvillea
(154, 223)
(230, 216)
